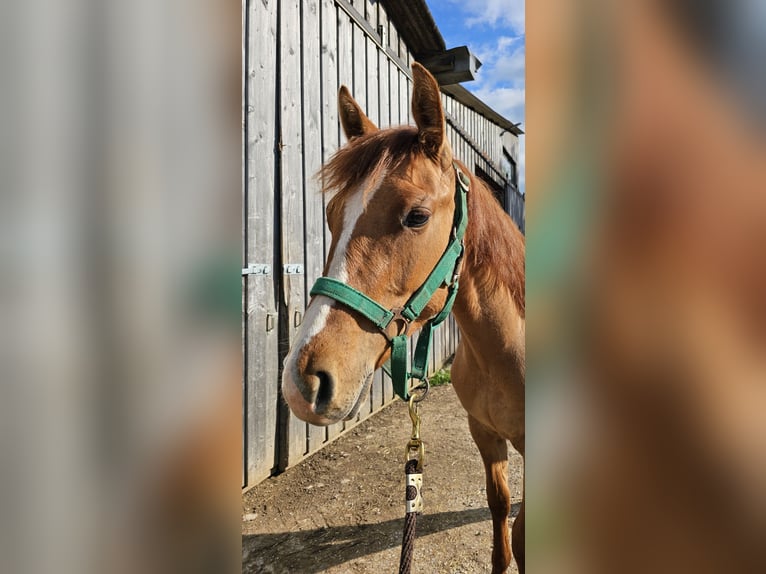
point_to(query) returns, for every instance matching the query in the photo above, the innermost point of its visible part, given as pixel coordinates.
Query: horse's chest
(491, 392)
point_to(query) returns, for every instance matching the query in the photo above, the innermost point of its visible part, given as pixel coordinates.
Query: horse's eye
(416, 218)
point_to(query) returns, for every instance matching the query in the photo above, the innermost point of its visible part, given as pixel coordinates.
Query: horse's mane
(368, 158)
(494, 245)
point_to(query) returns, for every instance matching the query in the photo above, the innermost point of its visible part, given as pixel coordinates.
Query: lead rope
(413, 471)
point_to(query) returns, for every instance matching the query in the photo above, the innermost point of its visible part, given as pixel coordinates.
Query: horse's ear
(427, 111)
(352, 118)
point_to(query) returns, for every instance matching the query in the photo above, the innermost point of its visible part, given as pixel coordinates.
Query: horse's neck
(487, 314)
(490, 303)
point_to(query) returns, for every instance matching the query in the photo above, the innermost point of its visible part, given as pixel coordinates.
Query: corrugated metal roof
(416, 26)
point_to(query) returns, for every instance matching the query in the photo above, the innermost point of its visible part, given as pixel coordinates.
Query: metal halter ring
(424, 386)
(398, 318)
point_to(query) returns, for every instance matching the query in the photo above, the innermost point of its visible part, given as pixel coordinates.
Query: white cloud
(494, 13)
(500, 81)
(494, 30)
(508, 102)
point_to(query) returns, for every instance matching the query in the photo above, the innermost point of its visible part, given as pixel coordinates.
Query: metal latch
(257, 269)
(292, 269)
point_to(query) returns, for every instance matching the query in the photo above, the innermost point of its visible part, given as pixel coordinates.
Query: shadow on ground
(313, 551)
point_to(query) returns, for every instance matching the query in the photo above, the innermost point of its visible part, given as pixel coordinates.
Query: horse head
(391, 217)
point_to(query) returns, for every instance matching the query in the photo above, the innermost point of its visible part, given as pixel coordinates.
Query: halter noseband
(446, 272)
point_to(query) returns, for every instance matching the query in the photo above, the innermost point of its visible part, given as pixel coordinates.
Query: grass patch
(441, 377)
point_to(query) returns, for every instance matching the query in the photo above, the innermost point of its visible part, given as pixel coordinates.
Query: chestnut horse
(391, 217)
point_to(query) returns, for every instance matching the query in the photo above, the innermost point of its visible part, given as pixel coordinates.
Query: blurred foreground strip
(120, 292)
(647, 286)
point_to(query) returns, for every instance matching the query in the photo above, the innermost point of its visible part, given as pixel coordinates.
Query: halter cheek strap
(446, 272)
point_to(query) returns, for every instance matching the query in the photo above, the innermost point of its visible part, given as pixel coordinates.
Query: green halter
(446, 272)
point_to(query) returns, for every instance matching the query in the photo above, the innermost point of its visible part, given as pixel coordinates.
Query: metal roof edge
(414, 22)
(462, 95)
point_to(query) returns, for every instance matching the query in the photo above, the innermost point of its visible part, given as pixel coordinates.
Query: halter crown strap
(446, 272)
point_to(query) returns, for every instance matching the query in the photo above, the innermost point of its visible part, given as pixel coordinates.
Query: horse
(390, 212)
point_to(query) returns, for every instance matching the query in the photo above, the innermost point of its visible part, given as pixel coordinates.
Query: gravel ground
(341, 510)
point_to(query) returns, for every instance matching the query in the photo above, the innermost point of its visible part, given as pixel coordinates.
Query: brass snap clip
(415, 445)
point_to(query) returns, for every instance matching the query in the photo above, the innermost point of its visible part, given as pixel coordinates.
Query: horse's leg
(517, 539)
(517, 532)
(494, 452)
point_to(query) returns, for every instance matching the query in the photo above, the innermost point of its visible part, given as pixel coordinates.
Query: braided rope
(410, 520)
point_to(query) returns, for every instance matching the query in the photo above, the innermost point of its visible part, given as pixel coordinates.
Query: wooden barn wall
(296, 55)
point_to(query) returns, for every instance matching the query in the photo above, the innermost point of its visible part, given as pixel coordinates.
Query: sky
(494, 32)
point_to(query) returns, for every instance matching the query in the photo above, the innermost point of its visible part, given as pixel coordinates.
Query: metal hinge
(292, 269)
(257, 269)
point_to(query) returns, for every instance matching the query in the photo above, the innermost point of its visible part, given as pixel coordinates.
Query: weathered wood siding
(297, 54)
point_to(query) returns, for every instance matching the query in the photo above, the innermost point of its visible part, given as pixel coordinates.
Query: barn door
(261, 271)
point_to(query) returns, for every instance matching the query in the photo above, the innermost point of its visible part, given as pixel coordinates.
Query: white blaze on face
(317, 313)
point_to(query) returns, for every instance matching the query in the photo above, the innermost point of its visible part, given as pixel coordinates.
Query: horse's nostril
(325, 391)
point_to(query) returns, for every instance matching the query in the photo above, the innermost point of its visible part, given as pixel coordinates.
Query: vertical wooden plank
(261, 396)
(489, 128)
(444, 338)
(475, 131)
(291, 174)
(468, 130)
(491, 148)
(404, 53)
(447, 338)
(393, 100)
(458, 117)
(479, 129)
(330, 124)
(393, 37)
(360, 68)
(384, 104)
(393, 44)
(345, 61)
(484, 130)
(434, 351)
(464, 127)
(404, 88)
(312, 161)
(383, 73)
(480, 137)
(453, 334)
(472, 134)
(373, 112)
